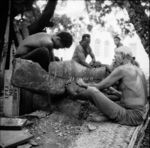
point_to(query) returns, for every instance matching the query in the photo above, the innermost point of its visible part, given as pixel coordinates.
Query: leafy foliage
(138, 11)
(20, 6)
(63, 20)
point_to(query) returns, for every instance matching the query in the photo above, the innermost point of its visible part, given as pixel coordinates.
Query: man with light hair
(121, 48)
(133, 105)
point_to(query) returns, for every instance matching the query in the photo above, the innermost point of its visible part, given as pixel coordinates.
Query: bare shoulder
(125, 70)
(44, 39)
(78, 48)
(119, 69)
(131, 70)
(42, 36)
(37, 40)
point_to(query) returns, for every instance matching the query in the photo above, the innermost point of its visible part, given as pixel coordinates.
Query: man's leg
(107, 106)
(39, 55)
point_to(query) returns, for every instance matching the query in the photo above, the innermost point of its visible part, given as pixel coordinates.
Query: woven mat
(106, 135)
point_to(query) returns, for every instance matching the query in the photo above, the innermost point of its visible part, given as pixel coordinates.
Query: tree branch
(43, 20)
(140, 21)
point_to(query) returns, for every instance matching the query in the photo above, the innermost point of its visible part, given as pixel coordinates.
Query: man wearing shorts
(133, 105)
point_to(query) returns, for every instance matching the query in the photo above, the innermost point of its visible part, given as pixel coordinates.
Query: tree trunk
(140, 21)
(44, 19)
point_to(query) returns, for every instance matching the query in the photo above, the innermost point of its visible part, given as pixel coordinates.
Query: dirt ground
(59, 131)
(56, 131)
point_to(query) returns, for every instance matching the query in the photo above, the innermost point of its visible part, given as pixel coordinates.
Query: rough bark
(44, 19)
(140, 21)
(136, 13)
(31, 76)
(72, 70)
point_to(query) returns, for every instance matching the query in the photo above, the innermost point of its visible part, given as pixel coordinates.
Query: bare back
(133, 86)
(34, 41)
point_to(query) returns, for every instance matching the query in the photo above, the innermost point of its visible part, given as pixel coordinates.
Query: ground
(61, 130)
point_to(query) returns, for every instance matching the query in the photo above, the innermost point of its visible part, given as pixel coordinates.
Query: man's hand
(81, 83)
(115, 91)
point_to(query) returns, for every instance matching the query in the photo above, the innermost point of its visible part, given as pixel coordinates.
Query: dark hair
(85, 36)
(117, 37)
(66, 38)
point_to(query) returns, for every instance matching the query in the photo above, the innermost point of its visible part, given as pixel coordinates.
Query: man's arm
(118, 93)
(81, 58)
(108, 81)
(116, 75)
(111, 79)
(92, 54)
(82, 62)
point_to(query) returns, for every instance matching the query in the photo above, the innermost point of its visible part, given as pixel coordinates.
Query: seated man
(133, 105)
(39, 47)
(83, 50)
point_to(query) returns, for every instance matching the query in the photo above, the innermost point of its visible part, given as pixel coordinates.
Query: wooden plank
(8, 95)
(16, 91)
(12, 123)
(3, 58)
(14, 138)
(11, 93)
(1, 106)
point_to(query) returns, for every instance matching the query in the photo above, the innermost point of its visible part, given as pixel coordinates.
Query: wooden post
(11, 93)
(3, 58)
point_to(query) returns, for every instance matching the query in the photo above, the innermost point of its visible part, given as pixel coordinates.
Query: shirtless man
(83, 50)
(39, 47)
(133, 105)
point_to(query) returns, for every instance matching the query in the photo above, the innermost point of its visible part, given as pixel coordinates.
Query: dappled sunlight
(101, 36)
(72, 8)
(102, 45)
